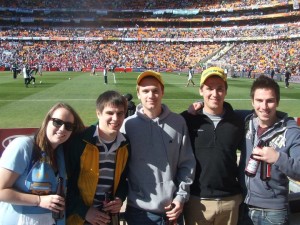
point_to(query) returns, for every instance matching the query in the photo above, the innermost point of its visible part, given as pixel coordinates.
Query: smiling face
(110, 121)
(265, 104)
(58, 135)
(213, 91)
(150, 92)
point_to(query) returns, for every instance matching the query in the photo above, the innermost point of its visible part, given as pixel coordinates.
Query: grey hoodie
(161, 167)
(284, 136)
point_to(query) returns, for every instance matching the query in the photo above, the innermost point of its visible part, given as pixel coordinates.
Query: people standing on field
(30, 72)
(26, 75)
(105, 74)
(113, 68)
(287, 77)
(40, 69)
(190, 77)
(93, 70)
(14, 68)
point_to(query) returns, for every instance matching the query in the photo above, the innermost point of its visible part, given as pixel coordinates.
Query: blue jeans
(134, 216)
(268, 216)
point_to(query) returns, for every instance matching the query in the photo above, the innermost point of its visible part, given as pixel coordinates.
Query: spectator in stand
(27, 197)
(216, 133)
(161, 167)
(170, 55)
(282, 137)
(97, 166)
(267, 199)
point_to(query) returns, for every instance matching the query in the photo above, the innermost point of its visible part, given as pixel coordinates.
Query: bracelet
(39, 201)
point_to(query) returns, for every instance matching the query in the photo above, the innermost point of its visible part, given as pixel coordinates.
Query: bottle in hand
(253, 163)
(265, 172)
(171, 222)
(113, 216)
(60, 192)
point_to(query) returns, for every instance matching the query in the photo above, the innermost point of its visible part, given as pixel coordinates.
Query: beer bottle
(265, 169)
(60, 192)
(171, 222)
(253, 163)
(113, 216)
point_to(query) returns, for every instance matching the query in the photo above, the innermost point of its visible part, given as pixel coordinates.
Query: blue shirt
(17, 157)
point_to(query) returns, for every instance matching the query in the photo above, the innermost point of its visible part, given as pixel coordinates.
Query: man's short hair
(265, 82)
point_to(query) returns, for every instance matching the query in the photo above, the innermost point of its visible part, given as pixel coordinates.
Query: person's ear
(200, 91)
(98, 113)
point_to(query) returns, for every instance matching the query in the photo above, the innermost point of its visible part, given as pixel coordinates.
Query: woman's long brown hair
(41, 141)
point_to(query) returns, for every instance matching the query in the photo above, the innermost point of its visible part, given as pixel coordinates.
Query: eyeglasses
(58, 123)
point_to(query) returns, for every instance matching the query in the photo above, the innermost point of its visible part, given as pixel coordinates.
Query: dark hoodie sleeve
(74, 202)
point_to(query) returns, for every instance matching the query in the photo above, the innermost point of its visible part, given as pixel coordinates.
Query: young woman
(30, 167)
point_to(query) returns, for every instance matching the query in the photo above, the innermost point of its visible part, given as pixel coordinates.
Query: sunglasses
(58, 123)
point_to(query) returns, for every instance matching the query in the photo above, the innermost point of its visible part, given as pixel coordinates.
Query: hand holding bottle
(94, 216)
(113, 206)
(266, 154)
(253, 162)
(60, 191)
(173, 211)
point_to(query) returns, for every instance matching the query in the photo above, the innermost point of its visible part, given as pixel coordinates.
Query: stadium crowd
(72, 48)
(140, 4)
(258, 48)
(286, 30)
(79, 55)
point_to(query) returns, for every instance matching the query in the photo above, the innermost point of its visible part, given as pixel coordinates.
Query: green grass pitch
(26, 107)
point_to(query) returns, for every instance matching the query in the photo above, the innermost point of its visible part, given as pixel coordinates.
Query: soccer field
(26, 107)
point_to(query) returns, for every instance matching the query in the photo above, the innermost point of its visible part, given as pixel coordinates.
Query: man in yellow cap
(161, 167)
(216, 133)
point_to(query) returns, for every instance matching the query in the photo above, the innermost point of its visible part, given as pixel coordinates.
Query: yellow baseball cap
(212, 71)
(150, 73)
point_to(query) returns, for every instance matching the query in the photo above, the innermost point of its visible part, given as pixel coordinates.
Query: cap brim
(213, 71)
(149, 73)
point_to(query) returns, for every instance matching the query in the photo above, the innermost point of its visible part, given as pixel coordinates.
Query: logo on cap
(150, 73)
(212, 71)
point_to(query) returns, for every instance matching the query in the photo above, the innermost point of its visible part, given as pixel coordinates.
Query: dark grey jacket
(284, 136)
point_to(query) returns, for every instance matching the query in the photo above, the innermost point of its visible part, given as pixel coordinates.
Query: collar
(117, 142)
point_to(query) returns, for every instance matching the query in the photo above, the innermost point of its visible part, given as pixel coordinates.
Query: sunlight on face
(58, 135)
(265, 104)
(150, 92)
(110, 121)
(213, 92)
